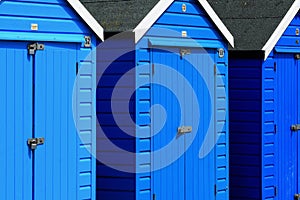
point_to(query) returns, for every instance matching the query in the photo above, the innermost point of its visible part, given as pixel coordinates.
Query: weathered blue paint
(263, 106)
(188, 177)
(37, 94)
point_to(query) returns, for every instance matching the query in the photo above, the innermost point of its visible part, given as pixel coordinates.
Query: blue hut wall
(258, 126)
(280, 144)
(245, 127)
(199, 27)
(62, 31)
(115, 58)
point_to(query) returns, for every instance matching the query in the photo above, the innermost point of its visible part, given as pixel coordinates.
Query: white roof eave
(285, 22)
(88, 18)
(163, 5)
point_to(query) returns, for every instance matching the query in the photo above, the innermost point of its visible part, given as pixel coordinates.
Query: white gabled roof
(163, 5)
(285, 22)
(88, 18)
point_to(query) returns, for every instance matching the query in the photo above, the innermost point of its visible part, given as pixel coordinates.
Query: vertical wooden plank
(3, 121)
(11, 90)
(57, 158)
(15, 121)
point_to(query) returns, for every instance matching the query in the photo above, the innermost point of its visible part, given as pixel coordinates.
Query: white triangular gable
(285, 22)
(88, 18)
(163, 5)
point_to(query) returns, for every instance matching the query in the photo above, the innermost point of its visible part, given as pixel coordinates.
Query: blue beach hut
(44, 44)
(159, 100)
(263, 98)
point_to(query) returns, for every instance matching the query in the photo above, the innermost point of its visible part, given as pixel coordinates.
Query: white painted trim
(215, 18)
(88, 18)
(163, 5)
(151, 18)
(285, 22)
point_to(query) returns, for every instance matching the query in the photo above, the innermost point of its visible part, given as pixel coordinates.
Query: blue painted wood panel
(269, 146)
(287, 150)
(199, 27)
(289, 37)
(265, 89)
(56, 160)
(64, 168)
(56, 18)
(115, 60)
(39, 103)
(16, 121)
(115, 184)
(245, 127)
(186, 177)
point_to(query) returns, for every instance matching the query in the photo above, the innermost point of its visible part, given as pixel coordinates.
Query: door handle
(184, 129)
(295, 127)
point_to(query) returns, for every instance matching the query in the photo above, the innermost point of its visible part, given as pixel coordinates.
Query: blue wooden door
(55, 171)
(15, 121)
(287, 115)
(184, 86)
(36, 102)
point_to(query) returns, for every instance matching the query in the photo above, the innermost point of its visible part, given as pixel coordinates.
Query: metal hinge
(275, 128)
(87, 42)
(32, 48)
(215, 69)
(34, 142)
(184, 52)
(297, 196)
(216, 189)
(153, 69)
(275, 66)
(275, 191)
(154, 197)
(77, 68)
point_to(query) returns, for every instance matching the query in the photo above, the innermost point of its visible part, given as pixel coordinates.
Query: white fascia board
(151, 18)
(88, 18)
(163, 5)
(285, 22)
(215, 18)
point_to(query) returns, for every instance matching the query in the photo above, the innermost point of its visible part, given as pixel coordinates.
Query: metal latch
(221, 53)
(87, 42)
(32, 48)
(34, 142)
(297, 196)
(184, 52)
(295, 127)
(185, 129)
